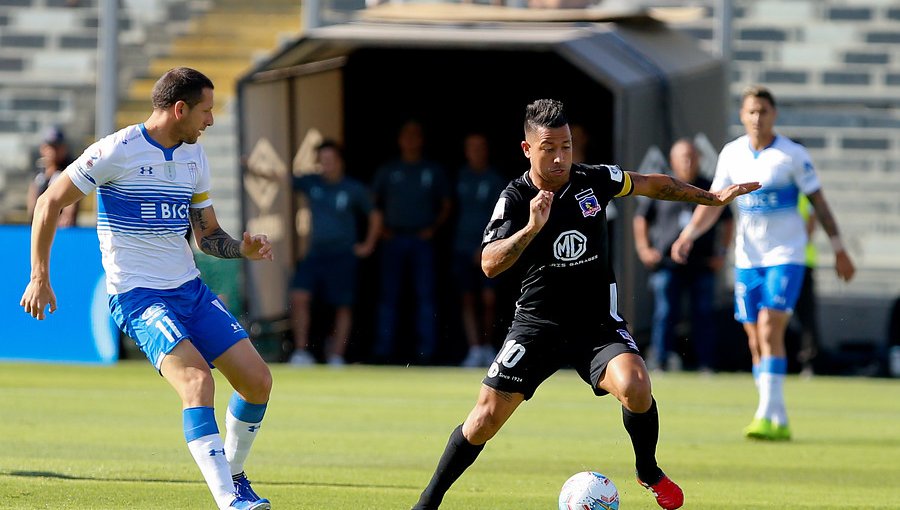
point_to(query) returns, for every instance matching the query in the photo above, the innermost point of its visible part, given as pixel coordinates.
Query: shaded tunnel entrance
(632, 86)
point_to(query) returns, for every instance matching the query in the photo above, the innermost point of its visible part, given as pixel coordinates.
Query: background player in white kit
(769, 248)
(152, 183)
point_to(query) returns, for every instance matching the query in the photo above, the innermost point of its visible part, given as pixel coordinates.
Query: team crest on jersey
(192, 168)
(170, 171)
(588, 203)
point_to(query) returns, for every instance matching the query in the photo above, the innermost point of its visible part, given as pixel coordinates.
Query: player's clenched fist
(540, 208)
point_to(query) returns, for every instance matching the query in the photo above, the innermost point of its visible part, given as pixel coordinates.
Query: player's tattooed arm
(666, 187)
(499, 256)
(210, 237)
(220, 244)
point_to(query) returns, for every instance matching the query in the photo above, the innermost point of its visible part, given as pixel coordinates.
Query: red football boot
(668, 493)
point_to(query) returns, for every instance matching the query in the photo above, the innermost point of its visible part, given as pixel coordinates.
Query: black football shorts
(533, 352)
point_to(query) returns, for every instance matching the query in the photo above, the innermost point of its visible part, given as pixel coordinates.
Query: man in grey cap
(54, 158)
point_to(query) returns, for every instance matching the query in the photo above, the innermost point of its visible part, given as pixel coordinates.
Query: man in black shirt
(656, 227)
(566, 279)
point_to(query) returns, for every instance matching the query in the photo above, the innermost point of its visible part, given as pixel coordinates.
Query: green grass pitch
(86, 437)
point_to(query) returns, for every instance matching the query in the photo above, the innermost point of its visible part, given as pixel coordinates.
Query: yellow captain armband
(627, 185)
(200, 197)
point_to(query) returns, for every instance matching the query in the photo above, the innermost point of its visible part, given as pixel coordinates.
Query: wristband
(836, 244)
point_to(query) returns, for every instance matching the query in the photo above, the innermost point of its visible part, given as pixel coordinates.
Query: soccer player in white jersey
(769, 248)
(152, 182)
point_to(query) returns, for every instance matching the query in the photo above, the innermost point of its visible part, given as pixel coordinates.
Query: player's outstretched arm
(39, 293)
(500, 255)
(666, 187)
(214, 241)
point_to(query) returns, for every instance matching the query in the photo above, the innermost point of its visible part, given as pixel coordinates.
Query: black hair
(180, 84)
(329, 143)
(546, 113)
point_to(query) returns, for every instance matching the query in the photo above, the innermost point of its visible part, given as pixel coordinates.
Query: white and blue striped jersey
(144, 192)
(770, 231)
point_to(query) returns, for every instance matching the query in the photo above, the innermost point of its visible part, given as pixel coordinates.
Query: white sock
(777, 411)
(771, 390)
(242, 422)
(764, 386)
(209, 454)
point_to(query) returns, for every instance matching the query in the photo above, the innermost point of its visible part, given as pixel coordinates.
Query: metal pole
(107, 68)
(725, 37)
(311, 14)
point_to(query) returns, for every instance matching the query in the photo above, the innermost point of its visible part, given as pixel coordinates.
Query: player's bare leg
(186, 370)
(770, 420)
(627, 379)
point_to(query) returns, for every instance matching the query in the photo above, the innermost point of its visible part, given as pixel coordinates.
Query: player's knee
(261, 387)
(255, 387)
(636, 395)
(196, 387)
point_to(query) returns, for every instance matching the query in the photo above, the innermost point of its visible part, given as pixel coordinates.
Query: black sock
(458, 456)
(644, 431)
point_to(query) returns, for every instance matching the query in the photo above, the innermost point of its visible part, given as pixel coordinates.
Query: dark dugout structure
(633, 83)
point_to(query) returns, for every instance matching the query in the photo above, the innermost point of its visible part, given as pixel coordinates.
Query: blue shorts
(158, 319)
(776, 288)
(331, 276)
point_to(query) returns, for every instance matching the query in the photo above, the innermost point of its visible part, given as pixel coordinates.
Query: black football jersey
(565, 270)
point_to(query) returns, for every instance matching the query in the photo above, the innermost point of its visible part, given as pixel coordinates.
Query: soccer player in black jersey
(551, 224)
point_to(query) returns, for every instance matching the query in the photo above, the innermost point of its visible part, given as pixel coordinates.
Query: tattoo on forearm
(508, 251)
(219, 244)
(197, 220)
(680, 191)
(518, 246)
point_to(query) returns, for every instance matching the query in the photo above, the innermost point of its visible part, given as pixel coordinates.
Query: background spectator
(54, 158)
(414, 196)
(477, 187)
(656, 226)
(336, 202)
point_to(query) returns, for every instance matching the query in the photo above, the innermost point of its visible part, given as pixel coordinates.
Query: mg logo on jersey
(570, 245)
(146, 170)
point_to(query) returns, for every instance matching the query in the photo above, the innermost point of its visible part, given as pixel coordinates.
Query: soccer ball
(588, 491)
